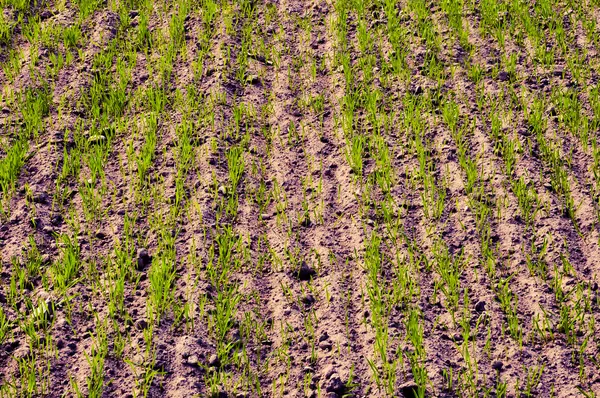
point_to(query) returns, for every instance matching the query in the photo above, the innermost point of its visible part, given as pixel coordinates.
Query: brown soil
(304, 324)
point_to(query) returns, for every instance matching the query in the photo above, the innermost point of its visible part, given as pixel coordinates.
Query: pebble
(143, 258)
(334, 384)
(141, 324)
(308, 300)
(138, 359)
(213, 360)
(497, 365)
(323, 336)
(409, 389)
(252, 79)
(325, 345)
(305, 272)
(192, 360)
(480, 306)
(41, 197)
(329, 371)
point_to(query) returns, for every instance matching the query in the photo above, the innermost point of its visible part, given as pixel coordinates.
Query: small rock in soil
(56, 220)
(141, 324)
(213, 360)
(308, 300)
(306, 222)
(252, 79)
(325, 345)
(305, 272)
(409, 390)
(334, 384)
(329, 371)
(143, 259)
(40, 197)
(159, 365)
(192, 360)
(480, 306)
(497, 365)
(220, 394)
(138, 359)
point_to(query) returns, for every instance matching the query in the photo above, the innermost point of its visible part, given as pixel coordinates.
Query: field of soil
(299, 198)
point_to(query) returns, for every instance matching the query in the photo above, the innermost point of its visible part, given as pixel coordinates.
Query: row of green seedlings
(227, 250)
(104, 104)
(529, 204)
(570, 110)
(483, 206)
(542, 324)
(34, 319)
(225, 256)
(551, 154)
(34, 106)
(518, 21)
(63, 273)
(572, 319)
(385, 288)
(31, 318)
(549, 36)
(46, 36)
(162, 305)
(307, 214)
(448, 267)
(302, 74)
(434, 192)
(21, 12)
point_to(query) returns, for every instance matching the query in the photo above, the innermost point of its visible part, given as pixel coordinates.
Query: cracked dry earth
(338, 198)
